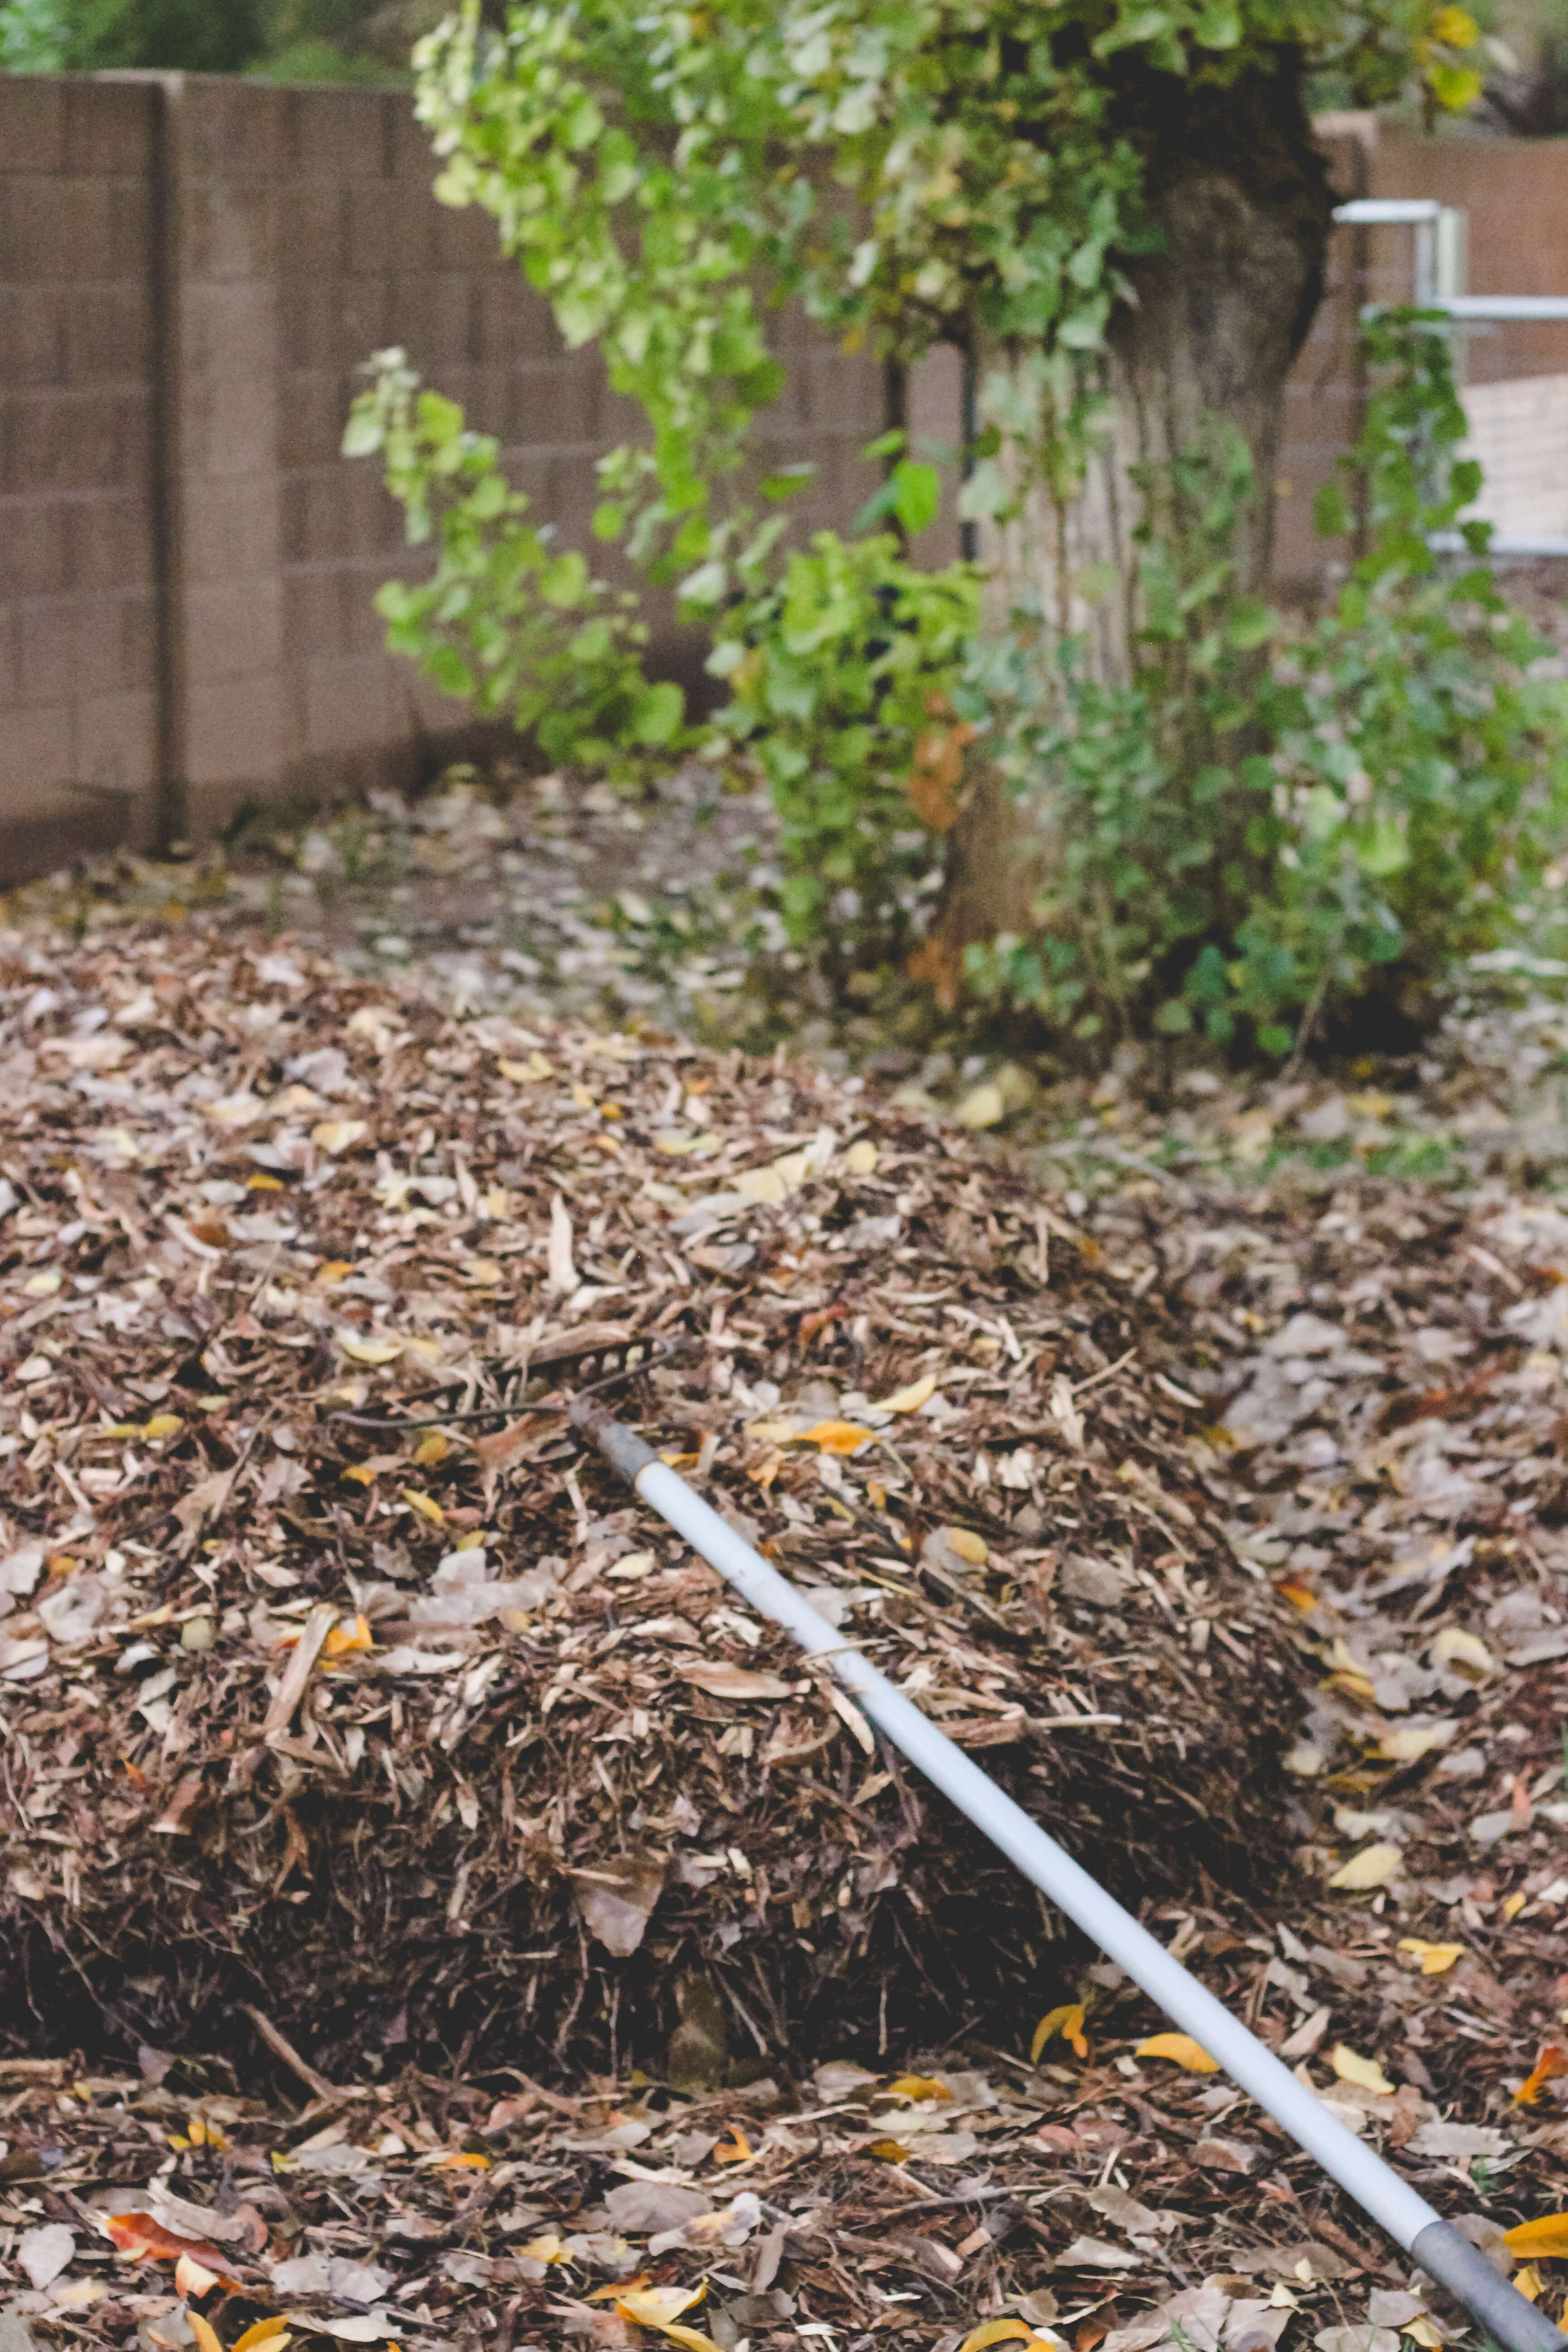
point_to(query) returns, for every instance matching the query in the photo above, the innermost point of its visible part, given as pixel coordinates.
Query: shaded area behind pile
(532, 1785)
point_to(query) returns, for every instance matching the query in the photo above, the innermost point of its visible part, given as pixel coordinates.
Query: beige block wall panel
(34, 754)
(239, 731)
(114, 742)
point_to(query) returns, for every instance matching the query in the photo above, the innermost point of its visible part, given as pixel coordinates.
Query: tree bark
(1242, 197)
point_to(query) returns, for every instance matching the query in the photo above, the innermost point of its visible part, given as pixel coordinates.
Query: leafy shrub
(1259, 831)
(505, 619)
(842, 672)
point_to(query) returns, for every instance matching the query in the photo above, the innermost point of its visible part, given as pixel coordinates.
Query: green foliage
(298, 40)
(916, 170)
(1248, 847)
(507, 618)
(164, 34)
(34, 36)
(841, 673)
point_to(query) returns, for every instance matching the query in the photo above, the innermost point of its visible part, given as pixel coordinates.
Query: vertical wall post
(169, 814)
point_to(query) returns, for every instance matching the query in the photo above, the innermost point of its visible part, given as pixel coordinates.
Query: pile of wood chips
(435, 1745)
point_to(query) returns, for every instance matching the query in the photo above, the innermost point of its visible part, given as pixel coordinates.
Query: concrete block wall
(78, 652)
(191, 270)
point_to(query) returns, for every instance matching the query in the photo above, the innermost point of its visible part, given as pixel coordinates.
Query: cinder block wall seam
(163, 820)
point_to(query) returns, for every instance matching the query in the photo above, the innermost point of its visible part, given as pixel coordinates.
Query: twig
(1082, 1388)
(297, 1674)
(282, 2047)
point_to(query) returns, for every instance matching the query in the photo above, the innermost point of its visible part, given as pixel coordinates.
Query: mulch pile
(437, 1743)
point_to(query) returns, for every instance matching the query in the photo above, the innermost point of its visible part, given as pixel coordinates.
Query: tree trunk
(1242, 197)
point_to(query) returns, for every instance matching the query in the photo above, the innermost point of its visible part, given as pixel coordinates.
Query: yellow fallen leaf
(550, 2248)
(1512, 1905)
(918, 2086)
(328, 1275)
(860, 1160)
(835, 1438)
(736, 2149)
(1406, 1742)
(164, 1424)
(186, 2273)
(1000, 2331)
(677, 1145)
(372, 1352)
(1466, 1653)
(1551, 2061)
(1364, 2072)
(763, 1184)
(1374, 1866)
(617, 2287)
(1527, 2283)
(347, 1636)
(1182, 2050)
(434, 1446)
(655, 2307)
(272, 2330)
(1546, 2237)
(261, 1182)
(483, 1270)
(192, 2277)
(1066, 2021)
(365, 1473)
(425, 1505)
(909, 1400)
(968, 1545)
(1423, 2331)
(888, 2151)
(335, 1134)
(1433, 1958)
(527, 1073)
(984, 1106)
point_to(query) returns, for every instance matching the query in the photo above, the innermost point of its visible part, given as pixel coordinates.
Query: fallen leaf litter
(1401, 1361)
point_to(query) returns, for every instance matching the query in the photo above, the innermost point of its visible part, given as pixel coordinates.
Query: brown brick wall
(191, 270)
(77, 647)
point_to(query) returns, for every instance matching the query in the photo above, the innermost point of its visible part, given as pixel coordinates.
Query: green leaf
(1251, 624)
(659, 714)
(1384, 849)
(706, 585)
(364, 434)
(787, 483)
(917, 496)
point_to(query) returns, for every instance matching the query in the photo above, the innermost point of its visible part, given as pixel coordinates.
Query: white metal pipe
(1406, 2216)
(1387, 212)
(1502, 306)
